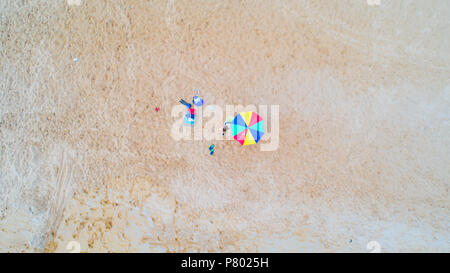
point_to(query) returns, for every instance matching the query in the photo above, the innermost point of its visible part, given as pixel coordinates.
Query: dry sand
(364, 126)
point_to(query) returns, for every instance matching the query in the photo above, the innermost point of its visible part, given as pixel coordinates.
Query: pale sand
(364, 126)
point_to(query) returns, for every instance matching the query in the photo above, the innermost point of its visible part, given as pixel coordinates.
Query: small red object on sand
(156, 109)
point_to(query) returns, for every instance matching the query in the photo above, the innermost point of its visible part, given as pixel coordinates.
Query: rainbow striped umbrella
(247, 128)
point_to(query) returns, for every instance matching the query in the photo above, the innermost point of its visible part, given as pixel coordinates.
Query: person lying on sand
(225, 125)
(188, 105)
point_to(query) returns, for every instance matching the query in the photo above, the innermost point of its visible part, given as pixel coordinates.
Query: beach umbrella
(247, 128)
(197, 101)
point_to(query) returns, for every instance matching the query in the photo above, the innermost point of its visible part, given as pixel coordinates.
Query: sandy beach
(364, 126)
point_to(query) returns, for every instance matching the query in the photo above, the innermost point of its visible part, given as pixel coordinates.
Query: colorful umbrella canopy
(247, 128)
(197, 101)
